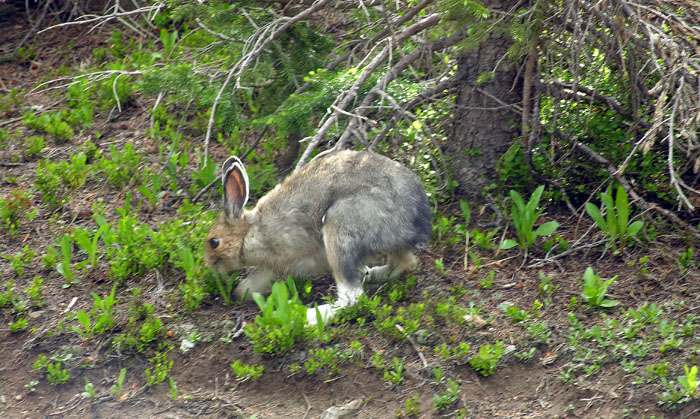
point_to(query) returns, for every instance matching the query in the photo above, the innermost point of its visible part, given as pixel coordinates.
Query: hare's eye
(214, 242)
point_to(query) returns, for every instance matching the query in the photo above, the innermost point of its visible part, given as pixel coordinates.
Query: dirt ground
(518, 389)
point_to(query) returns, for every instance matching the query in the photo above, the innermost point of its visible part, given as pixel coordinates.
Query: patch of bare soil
(206, 387)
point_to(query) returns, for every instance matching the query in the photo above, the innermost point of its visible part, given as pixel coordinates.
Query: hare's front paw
(326, 311)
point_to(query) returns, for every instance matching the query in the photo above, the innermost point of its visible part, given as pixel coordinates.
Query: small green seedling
(116, 389)
(161, 368)
(245, 372)
(615, 223)
(524, 218)
(594, 290)
(55, 374)
(173, 389)
(486, 360)
(394, 376)
(64, 267)
(689, 381)
(449, 397)
(89, 392)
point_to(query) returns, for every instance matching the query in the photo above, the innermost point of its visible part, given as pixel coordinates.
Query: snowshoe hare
(333, 214)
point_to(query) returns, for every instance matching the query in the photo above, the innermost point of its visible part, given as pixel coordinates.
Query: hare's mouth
(215, 264)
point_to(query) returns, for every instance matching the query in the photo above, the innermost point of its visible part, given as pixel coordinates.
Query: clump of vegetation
(282, 320)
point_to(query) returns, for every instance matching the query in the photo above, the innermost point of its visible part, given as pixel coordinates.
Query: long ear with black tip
(235, 182)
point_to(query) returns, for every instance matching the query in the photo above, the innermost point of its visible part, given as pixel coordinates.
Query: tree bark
(485, 115)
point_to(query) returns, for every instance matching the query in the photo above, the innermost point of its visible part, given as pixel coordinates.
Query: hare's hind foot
(347, 296)
(397, 265)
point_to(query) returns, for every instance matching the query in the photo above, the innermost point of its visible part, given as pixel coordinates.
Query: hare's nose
(214, 242)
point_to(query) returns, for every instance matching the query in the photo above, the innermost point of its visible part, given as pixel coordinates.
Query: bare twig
(345, 99)
(151, 10)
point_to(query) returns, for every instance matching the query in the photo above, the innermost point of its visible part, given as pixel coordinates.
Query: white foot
(346, 297)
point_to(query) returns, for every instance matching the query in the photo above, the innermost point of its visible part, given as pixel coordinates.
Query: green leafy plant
(245, 372)
(55, 374)
(394, 376)
(161, 367)
(122, 168)
(486, 360)
(451, 395)
(410, 408)
(192, 289)
(13, 208)
(174, 390)
(90, 245)
(439, 375)
(689, 381)
(615, 224)
(85, 321)
(21, 259)
(594, 290)
(31, 386)
(103, 310)
(524, 218)
(64, 267)
(685, 259)
(8, 297)
(116, 389)
(224, 284)
(89, 392)
(487, 281)
(329, 359)
(50, 123)
(35, 293)
(282, 320)
(458, 353)
(155, 192)
(19, 325)
(546, 287)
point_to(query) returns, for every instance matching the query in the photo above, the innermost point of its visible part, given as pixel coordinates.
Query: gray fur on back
(374, 205)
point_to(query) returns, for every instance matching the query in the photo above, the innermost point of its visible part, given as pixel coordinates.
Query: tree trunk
(485, 123)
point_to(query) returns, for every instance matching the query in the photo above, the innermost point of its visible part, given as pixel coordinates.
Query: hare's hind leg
(345, 262)
(397, 264)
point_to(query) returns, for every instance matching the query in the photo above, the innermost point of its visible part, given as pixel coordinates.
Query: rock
(347, 410)
(477, 321)
(36, 314)
(186, 345)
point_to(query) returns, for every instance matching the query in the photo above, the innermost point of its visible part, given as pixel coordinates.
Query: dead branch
(432, 94)
(392, 74)
(151, 10)
(346, 98)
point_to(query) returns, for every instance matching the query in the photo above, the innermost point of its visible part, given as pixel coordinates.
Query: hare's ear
(235, 182)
